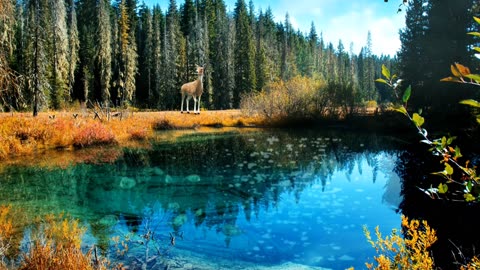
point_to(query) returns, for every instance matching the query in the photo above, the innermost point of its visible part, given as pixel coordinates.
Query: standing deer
(193, 90)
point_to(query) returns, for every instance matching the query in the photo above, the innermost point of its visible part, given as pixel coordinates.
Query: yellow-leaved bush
(407, 251)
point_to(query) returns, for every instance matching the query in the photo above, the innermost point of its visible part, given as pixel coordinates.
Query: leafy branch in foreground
(464, 177)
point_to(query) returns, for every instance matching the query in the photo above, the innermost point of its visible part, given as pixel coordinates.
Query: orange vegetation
(21, 134)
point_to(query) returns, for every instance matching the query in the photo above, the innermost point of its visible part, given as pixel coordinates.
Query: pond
(236, 199)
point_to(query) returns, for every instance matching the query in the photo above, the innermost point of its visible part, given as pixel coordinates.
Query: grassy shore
(22, 134)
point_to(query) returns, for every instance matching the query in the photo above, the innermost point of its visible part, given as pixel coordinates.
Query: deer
(193, 90)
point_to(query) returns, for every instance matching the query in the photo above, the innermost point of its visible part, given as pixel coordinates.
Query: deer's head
(200, 69)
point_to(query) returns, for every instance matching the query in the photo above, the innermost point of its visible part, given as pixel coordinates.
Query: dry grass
(21, 134)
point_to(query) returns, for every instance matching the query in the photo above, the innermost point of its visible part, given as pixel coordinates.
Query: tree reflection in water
(216, 181)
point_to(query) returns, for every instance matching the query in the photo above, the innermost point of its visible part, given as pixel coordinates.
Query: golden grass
(21, 134)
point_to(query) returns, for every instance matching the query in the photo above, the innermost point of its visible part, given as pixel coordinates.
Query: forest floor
(21, 134)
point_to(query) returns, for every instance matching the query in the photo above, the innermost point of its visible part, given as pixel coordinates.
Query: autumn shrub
(407, 251)
(138, 134)
(56, 244)
(93, 133)
(299, 97)
(6, 233)
(63, 133)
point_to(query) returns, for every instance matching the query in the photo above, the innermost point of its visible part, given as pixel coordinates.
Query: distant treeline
(56, 52)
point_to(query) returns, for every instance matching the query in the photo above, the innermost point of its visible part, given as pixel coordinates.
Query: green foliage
(463, 177)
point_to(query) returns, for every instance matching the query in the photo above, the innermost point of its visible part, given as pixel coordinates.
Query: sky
(346, 20)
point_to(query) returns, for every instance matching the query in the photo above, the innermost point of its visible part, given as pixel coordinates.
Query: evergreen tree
(145, 60)
(312, 65)
(433, 39)
(158, 22)
(368, 70)
(84, 79)
(272, 51)
(222, 58)
(35, 53)
(260, 55)
(10, 93)
(59, 55)
(174, 55)
(127, 56)
(104, 51)
(73, 45)
(245, 80)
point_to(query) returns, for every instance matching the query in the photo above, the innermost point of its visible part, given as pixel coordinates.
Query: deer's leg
(181, 108)
(198, 106)
(188, 99)
(194, 105)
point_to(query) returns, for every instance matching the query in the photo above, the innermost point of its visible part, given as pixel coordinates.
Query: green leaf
(418, 120)
(444, 142)
(477, 19)
(469, 186)
(448, 169)
(458, 154)
(471, 102)
(477, 49)
(477, 34)
(474, 77)
(442, 188)
(469, 197)
(401, 109)
(451, 139)
(406, 95)
(381, 81)
(385, 72)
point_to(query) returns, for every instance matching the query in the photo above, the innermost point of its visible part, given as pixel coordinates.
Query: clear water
(235, 200)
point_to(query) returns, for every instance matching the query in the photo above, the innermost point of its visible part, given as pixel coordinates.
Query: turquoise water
(235, 200)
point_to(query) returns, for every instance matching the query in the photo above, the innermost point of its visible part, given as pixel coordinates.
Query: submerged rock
(179, 220)
(193, 178)
(127, 182)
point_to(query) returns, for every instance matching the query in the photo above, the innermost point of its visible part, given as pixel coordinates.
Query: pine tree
(312, 67)
(273, 48)
(104, 51)
(260, 55)
(245, 81)
(145, 53)
(222, 58)
(368, 70)
(35, 53)
(59, 55)
(10, 93)
(127, 56)
(158, 22)
(447, 43)
(87, 23)
(174, 55)
(73, 45)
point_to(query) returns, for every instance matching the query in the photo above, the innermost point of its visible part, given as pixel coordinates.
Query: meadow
(21, 134)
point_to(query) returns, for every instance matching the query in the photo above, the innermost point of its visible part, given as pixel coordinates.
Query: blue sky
(348, 20)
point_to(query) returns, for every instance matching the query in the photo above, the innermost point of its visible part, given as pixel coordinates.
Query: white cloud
(354, 26)
(344, 20)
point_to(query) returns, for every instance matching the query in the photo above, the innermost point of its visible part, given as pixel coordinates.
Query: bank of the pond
(23, 135)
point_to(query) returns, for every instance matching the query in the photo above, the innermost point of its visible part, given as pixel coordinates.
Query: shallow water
(234, 200)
